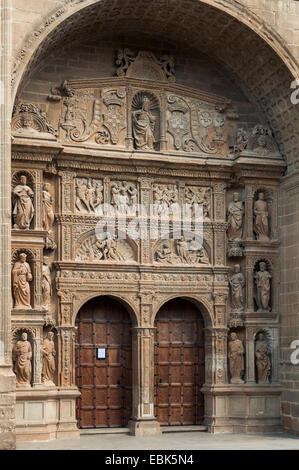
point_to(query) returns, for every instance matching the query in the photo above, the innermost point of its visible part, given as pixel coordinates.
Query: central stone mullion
(143, 420)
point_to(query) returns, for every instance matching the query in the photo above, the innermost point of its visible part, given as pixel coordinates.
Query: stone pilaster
(143, 420)
(7, 378)
(248, 231)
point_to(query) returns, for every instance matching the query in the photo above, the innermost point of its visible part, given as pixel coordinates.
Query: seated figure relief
(180, 252)
(105, 250)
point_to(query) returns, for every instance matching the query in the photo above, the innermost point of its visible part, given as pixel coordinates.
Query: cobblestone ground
(171, 441)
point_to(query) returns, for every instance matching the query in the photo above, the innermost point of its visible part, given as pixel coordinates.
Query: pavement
(170, 441)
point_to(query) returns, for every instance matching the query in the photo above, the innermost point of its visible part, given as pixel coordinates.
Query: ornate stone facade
(148, 136)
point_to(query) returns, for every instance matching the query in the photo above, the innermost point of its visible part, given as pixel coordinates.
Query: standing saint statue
(263, 286)
(49, 353)
(262, 359)
(236, 359)
(261, 220)
(237, 283)
(46, 284)
(23, 209)
(143, 126)
(21, 276)
(22, 354)
(235, 218)
(48, 213)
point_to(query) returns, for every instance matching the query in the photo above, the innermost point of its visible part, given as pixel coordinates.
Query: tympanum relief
(111, 250)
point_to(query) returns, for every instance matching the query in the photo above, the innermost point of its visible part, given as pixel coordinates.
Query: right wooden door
(179, 364)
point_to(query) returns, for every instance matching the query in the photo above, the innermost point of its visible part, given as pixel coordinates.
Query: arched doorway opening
(103, 364)
(179, 364)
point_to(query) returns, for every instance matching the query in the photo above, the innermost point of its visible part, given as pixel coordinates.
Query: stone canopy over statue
(143, 126)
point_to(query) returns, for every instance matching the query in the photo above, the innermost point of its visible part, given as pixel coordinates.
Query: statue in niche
(237, 283)
(236, 359)
(48, 213)
(46, 284)
(235, 218)
(49, 353)
(144, 126)
(108, 249)
(23, 210)
(22, 354)
(262, 359)
(261, 219)
(262, 279)
(21, 276)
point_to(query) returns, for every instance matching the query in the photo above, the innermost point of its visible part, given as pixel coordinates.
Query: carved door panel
(179, 364)
(105, 384)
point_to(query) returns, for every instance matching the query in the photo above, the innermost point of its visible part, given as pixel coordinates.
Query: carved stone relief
(94, 250)
(201, 196)
(30, 121)
(180, 252)
(124, 197)
(145, 65)
(89, 196)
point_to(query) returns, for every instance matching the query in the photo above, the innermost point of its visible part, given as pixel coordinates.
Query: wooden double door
(179, 364)
(105, 383)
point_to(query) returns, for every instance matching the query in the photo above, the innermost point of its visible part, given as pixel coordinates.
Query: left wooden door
(105, 384)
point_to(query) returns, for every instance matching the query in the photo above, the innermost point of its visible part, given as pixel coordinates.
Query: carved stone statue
(46, 284)
(21, 276)
(236, 359)
(108, 249)
(49, 353)
(261, 221)
(235, 218)
(143, 126)
(237, 283)
(48, 213)
(262, 279)
(182, 249)
(262, 359)
(22, 354)
(23, 210)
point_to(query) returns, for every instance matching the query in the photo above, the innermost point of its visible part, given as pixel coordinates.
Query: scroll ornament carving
(195, 126)
(145, 65)
(236, 359)
(89, 196)
(49, 354)
(21, 276)
(201, 196)
(181, 252)
(30, 121)
(23, 210)
(22, 356)
(262, 359)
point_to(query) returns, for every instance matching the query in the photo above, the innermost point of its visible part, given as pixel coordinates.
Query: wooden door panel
(179, 364)
(105, 384)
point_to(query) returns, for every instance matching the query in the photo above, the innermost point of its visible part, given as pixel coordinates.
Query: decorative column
(129, 136)
(145, 187)
(249, 284)
(7, 377)
(248, 231)
(163, 140)
(143, 421)
(249, 355)
(220, 356)
(66, 351)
